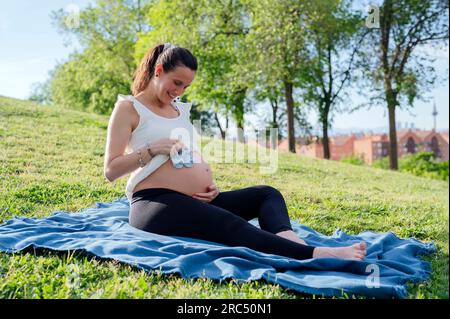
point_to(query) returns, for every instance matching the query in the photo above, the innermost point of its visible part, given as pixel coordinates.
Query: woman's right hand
(166, 146)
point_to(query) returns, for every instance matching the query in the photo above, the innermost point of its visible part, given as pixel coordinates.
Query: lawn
(52, 159)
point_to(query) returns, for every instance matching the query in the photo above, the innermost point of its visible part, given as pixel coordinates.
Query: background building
(375, 146)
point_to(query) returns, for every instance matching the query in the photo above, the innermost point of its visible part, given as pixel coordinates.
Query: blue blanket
(104, 231)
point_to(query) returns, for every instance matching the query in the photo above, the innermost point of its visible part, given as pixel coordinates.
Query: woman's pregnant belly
(186, 180)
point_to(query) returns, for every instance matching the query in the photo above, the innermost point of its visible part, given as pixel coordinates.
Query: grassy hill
(52, 159)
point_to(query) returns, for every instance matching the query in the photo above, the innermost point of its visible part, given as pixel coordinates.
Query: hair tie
(167, 45)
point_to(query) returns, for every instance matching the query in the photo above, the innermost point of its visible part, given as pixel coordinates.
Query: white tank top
(153, 127)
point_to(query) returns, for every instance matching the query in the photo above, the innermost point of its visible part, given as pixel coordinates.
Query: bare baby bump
(186, 180)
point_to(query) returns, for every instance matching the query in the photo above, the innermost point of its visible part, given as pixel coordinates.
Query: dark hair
(170, 59)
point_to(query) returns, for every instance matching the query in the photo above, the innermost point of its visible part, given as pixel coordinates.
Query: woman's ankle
(317, 251)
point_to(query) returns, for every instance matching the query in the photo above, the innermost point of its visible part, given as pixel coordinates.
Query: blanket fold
(103, 231)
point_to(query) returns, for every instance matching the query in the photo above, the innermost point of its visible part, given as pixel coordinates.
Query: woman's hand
(166, 146)
(212, 193)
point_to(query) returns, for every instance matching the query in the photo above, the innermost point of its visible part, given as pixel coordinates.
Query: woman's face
(174, 83)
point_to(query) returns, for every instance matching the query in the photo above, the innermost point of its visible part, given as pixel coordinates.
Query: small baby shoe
(176, 159)
(187, 157)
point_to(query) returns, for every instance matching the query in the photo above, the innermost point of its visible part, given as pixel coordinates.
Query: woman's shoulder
(128, 102)
(124, 98)
(125, 106)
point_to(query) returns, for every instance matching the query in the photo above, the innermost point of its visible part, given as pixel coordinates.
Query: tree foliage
(395, 69)
(91, 79)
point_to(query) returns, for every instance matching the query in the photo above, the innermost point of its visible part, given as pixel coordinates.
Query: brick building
(409, 141)
(283, 145)
(340, 146)
(374, 147)
(432, 141)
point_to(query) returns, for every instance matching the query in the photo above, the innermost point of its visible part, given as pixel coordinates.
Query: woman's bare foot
(353, 252)
(291, 235)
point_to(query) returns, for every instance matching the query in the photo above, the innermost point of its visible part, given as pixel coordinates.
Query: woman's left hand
(212, 193)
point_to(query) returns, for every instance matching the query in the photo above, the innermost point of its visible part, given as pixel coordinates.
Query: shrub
(353, 159)
(424, 164)
(381, 163)
(420, 164)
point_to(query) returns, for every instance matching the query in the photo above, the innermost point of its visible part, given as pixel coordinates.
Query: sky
(30, 47)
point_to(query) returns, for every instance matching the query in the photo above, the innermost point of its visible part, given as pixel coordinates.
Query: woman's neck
(150, 98)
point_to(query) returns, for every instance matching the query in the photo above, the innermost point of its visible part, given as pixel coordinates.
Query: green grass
(52, 159)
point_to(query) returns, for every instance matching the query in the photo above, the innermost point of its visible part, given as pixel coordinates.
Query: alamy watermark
(73, 280)
(255, 147)
(373, 19)
(373, 279)
(72, 20)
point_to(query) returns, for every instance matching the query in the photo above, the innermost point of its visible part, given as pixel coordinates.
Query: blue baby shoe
(176, 159)
(187, 156)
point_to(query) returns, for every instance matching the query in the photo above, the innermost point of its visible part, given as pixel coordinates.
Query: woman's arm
(117, 164)
(125, 164)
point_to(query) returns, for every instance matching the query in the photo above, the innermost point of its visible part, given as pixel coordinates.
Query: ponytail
(146, 69)
(169, 58)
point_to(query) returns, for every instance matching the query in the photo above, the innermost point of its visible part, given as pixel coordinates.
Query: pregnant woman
(150, 134)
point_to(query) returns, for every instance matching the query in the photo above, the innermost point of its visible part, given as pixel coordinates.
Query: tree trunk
(391, 97)
(222, 132)
(274, 105)
(240, 132)
(238, 111)
(238, 114)
(290, 113)
(274, 139)
(393, 155)
(325, 139)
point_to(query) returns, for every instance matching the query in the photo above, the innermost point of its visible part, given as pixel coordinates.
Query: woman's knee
(269, 190)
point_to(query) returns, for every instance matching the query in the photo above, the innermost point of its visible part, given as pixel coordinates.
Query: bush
(353, 159)
(424, 164)
(381, 163)
(420, 164)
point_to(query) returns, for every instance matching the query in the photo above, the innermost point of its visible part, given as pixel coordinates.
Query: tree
(40, 93)
(398, 72)
(213, 32)
(333, 43)
(275, 45)
(92, 78)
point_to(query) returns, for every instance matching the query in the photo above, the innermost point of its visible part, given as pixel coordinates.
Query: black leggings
(224, 220)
